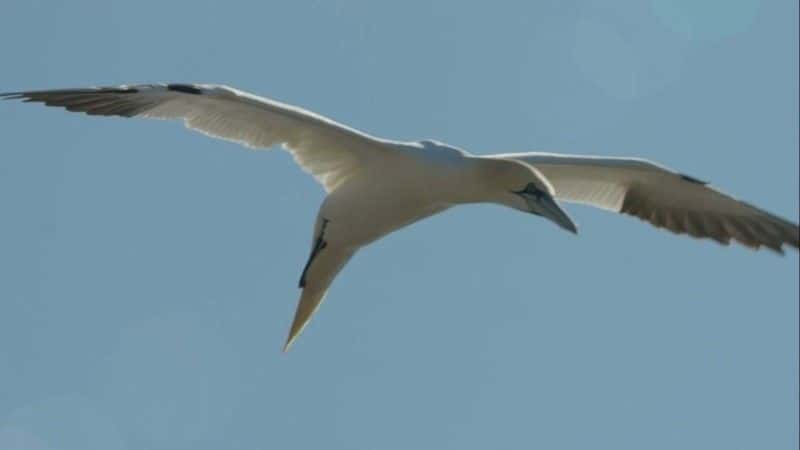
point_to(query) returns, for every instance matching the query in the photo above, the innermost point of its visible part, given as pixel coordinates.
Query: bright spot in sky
(706, 19)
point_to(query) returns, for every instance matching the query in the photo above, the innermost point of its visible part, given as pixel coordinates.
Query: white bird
(376, 186)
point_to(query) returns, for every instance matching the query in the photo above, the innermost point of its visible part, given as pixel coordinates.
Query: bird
(376, 186)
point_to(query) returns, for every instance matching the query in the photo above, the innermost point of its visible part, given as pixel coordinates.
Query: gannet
(375, 186)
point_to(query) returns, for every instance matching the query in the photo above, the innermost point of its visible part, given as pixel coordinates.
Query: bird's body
(419, 183)
(377, 186)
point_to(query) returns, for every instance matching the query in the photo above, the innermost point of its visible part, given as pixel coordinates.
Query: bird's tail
(318, 278)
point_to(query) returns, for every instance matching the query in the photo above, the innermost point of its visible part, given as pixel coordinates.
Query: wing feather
(329, 151)
(662, 197)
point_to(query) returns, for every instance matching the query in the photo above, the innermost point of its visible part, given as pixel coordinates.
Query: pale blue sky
(148, 274)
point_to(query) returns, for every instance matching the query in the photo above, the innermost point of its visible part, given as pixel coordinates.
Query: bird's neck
(470, 182)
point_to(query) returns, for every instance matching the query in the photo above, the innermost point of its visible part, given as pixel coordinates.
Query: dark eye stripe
(532, 189)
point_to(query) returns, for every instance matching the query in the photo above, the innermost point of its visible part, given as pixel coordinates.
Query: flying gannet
(376, 186)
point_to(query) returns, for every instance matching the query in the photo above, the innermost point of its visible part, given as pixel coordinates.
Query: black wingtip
(114, 90)
(11, 95)
(30, 95)
(185, 88)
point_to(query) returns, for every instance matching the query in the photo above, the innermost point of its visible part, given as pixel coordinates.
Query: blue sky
(148, 274)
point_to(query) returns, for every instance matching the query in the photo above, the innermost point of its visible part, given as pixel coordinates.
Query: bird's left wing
(329, 151)
(666, 199)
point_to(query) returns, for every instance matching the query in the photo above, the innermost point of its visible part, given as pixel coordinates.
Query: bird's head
(520, 186)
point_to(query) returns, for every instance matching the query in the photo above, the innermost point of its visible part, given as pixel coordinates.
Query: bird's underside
(336, 155)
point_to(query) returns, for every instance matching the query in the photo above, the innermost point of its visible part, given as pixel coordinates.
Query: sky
(148, 275)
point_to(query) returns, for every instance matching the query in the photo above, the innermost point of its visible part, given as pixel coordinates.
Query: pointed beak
(546, 206)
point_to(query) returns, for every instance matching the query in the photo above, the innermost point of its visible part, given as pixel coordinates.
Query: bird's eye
(532, 189)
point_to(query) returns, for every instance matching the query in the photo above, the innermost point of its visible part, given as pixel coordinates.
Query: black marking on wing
(35, 95)
(692, 179)
(100, 101)
(185, 88)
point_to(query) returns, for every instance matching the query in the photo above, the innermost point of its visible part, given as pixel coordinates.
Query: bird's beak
(545, 205)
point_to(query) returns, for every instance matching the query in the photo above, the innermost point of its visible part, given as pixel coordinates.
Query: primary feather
(329, 151)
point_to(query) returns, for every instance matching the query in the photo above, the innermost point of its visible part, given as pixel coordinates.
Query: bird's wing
(666, 199)
(329, 151)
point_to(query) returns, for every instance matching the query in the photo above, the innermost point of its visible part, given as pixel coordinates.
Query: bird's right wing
(666, 199)
(329, 151)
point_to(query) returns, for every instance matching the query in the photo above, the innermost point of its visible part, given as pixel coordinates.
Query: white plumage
(377, 186)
